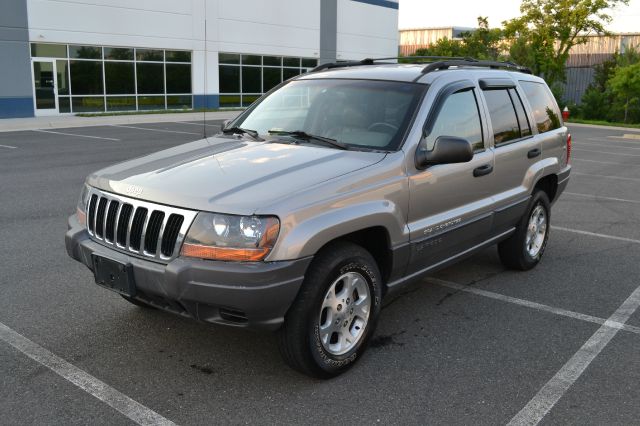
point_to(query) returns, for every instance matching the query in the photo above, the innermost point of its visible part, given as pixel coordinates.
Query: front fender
(312, 233)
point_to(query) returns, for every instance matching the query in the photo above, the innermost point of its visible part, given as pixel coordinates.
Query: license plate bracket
(114, 275)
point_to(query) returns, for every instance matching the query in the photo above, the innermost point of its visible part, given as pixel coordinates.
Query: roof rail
(443, 65)
(439, 63)
(372, 61)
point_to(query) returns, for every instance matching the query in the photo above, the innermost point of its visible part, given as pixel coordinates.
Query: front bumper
(252, 294)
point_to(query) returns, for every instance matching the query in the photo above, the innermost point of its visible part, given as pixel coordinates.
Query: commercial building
(580, 65)
(59, 57)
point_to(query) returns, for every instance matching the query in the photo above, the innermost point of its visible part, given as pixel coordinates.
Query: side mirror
(446, 150)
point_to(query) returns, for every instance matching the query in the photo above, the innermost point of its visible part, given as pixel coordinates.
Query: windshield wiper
(300, 134)
(236, 130)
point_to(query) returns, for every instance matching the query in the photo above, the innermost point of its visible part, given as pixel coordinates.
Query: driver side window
(458, 117)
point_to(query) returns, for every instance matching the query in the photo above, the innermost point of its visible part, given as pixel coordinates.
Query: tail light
(568, 147)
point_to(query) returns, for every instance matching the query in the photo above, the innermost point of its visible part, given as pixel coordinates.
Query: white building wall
(366, 31)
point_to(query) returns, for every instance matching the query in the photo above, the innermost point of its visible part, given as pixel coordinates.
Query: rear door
(450, 205)
(515, 147)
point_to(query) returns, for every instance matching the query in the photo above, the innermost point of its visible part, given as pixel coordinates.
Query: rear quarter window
(545, 110)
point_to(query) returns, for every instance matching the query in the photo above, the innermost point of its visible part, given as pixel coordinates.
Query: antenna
(206, 103)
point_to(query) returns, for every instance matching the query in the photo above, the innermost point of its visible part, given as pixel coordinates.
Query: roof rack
(438, 63)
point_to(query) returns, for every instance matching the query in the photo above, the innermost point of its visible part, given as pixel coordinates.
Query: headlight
(81, 209)
(226, 237)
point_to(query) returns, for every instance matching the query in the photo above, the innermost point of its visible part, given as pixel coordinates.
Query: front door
(450, 205)
(45, 87)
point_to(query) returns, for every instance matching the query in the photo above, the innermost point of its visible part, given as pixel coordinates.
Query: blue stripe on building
(383, 3)
(206, 101)
(16, 107)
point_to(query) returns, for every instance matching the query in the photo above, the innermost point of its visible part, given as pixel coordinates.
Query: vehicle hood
(228, 175)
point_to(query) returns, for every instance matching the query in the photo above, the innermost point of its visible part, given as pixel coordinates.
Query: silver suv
(333, 190)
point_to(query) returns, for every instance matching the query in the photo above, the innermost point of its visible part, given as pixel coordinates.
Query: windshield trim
(419, 100)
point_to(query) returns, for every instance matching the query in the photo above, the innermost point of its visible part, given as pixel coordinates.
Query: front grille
(137, 227)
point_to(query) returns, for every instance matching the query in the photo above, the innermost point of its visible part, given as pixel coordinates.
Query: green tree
(543, 35)
(625, 85)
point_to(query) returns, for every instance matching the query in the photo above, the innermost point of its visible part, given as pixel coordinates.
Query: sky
(464, 13)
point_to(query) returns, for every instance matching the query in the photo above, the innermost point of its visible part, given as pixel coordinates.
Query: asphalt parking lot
(473, 344)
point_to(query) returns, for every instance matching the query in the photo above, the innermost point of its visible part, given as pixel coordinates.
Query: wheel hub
(536, 231)
(341, 329)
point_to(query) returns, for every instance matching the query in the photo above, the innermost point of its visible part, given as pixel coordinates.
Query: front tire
(524, 249)
(329, 325)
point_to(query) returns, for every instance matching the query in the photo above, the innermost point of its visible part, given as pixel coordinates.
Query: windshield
(358, 113)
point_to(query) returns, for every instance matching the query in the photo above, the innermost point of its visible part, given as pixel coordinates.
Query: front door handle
(534, 153)
(482, 170)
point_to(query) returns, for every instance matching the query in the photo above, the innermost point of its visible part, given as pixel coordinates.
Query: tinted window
(503, 116)
(523, 120)
(49, 50)
(118, 54)
(149, 55)
(178, 78)
(458, 117)
(119, 78)
(86, 79)
(229, 79)
(85, 52)
(251, 80)
(150, 78)
(178, 56)
(545, 110)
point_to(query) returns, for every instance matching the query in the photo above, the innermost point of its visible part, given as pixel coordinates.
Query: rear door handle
(482, 170)
(534, 153)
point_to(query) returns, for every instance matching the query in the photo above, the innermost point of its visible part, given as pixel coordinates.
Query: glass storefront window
(251, 80)
(118, 54)
(95, 78)
(62, 69)
(229, 58)
(251, 60)
(178, 56)
(249, 99)
(229, 101)
(291, 62)
(309, 63)
(178, 78)
(271, 77)
(179, 102)
(87, 103)
(229, 79)
(44, 50)
(150, 78)
(287, 73)
(149, 55)
(119, 78)
(86, 78)
(121, 103)
(85, 52)
(150, 102)
(272, 60)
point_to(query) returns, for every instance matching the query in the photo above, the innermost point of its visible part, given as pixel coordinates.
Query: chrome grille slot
(123, 224)
(171, 230)
(110, 230)
(92, 212)
(102, 207)
(139, 228)
(153, 232)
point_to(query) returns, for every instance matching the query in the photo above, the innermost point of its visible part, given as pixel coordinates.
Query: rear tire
(524, 249)
(328, 327)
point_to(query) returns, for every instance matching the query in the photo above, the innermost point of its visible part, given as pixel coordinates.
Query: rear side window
(503, 116)
(458, 117)
(545, 109)
(523, 121)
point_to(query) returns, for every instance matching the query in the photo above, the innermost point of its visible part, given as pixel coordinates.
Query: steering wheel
(386, 126)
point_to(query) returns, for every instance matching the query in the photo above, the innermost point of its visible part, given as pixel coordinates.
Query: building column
(328, 30)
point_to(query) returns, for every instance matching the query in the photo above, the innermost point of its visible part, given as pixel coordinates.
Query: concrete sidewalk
(66, 121)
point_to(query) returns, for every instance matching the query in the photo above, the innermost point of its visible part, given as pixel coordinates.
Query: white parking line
(197, 124)
(593, 234)
(555, 388)
(154, 130)
(598, 197)
(105, 393)
(604, 162)
(534, 305)
(606, 152)
(608, 144)
(8, 146)
(607, 176)
(73, 134)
